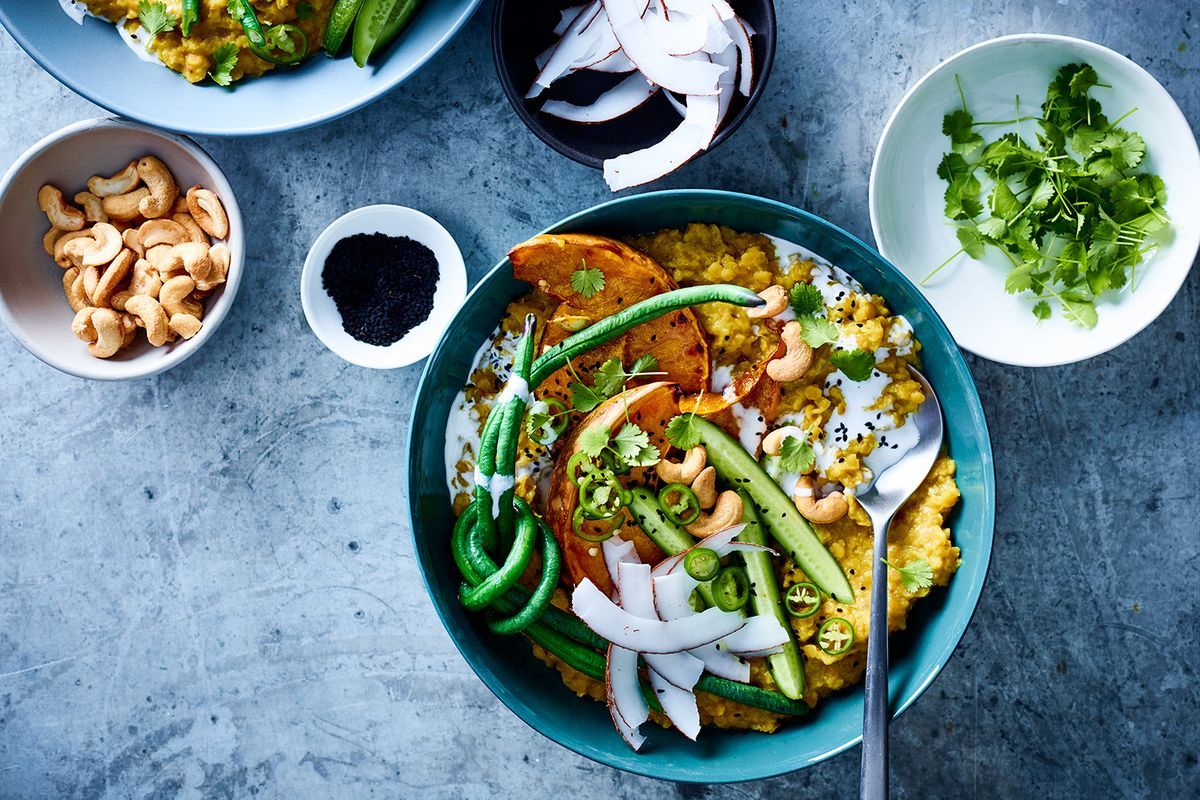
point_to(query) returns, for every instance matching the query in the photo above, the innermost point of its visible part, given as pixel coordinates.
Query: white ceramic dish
(911, 230)
(32, 304)
(323, 316)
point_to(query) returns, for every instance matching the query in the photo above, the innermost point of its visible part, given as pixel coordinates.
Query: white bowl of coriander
(1036, 252)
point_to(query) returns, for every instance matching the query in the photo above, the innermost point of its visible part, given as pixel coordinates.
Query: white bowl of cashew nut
(122, 249)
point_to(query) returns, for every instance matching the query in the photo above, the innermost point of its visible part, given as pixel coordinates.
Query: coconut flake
(678, 704)
(626, 703)
(649, 635)
(616, 102)
(648, 54)
(578, 46)
(761, 635)
(682, 144)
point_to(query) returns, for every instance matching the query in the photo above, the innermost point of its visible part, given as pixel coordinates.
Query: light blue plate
(525, 685)
(92, 60)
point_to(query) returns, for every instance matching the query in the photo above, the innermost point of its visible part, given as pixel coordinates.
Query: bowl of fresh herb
(1044, 193)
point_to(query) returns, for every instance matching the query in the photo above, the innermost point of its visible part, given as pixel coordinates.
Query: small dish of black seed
(383, 285)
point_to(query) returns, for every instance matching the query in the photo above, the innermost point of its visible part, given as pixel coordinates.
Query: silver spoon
(881, 501)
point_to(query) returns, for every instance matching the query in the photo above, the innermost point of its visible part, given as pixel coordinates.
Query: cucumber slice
(341, 19)
(786, 667)
(379, 21)
(776, 510)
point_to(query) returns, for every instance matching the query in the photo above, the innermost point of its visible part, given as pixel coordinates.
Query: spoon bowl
(890, 490)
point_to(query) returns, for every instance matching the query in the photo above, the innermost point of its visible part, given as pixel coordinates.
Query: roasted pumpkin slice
(630, 276)
(651, 407)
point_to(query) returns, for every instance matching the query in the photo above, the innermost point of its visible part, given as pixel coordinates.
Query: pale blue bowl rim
(949, 645)
(46, 62)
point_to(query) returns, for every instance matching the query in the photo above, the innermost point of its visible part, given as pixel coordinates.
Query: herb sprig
(608, 381)
(1070, 211)
(915, 575)
(155, 17)
(630, 446)
(589, 282)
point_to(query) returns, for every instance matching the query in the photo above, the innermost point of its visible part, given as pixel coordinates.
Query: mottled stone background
(206, 581)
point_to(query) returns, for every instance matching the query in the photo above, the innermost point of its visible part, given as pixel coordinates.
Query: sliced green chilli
(731, 588)
(835, 636)
(702, 563)
(802, 599)
(679, 503)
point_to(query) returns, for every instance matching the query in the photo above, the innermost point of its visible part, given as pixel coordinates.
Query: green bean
(610, 328)
(514, 566)
(539, 599)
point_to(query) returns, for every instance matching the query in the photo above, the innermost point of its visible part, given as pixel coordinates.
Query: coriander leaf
(225, 58)
(585, 398)
(796, 455)
(155, 18)
(962, 198)
(643, 363)
(915, 575)
(682, 433)
(1041, 310)
(963, 138)
(610, 377)
(588, 282)
(855, 364)
(1019, 280)
(629, 440)
(971, 240)
(647, 456)
(992, 228)
(538, 418)
(1003, 202)
(817, 331)
(1041, 195)
(952, 167)
(1084, 79)
(806, 300)
(1082, 312)
(1118, 152)
(593, 440)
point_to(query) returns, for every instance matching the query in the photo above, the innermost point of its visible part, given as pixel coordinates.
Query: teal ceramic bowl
(531, 691)
(92, 60)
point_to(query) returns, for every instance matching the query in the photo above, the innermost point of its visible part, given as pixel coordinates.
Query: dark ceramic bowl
(532, 691)
(521, 29)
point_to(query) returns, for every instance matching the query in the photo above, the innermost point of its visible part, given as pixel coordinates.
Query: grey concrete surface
(206, 583)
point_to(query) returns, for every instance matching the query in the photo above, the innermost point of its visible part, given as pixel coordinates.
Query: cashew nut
(60, 247)
(777, 301)
(110, 336)
(103, 246)
(118, 300)
(73, 289)
(162, 186)
(686, 471)
(181, 206)
(150, 314)
(174, 297)
(726, 514)
(129, 327)
(91, 279)
(795, 362)
(125, 206)
(161, 231)
(206, 209)
(124, 181)
(61, 214)
(823, 511)
(112, 277)
(772, 443)
(218, 254)
(82, 325)
(49, 238)
(93, 207)
(194, 231)
(193, 257)
(133, 242)
(145, 279)
(185, 325)
(159, 257)
(705, 487)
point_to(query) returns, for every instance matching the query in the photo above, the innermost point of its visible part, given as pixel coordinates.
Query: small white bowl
(32, 303)
(322, 313)
(911, 230)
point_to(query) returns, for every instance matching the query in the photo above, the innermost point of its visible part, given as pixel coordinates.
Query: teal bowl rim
(47, 62)
(987, 471)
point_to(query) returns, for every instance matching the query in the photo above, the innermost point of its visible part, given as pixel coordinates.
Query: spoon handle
(873, 782)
